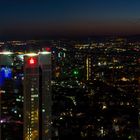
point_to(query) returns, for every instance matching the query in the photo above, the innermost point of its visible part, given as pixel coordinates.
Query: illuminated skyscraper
(37, 96)
(89, 72)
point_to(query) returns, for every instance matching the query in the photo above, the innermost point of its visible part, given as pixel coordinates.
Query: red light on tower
(48, 49)
(32, 61)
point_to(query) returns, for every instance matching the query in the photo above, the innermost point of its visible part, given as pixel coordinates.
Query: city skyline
(68, 18)
(90, 90)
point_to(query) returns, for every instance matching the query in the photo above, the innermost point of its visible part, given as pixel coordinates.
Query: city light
(48, 49)
(88, 84)
(31, 54)
(6, 53)
(44, 52)
(32, 61)
(5, 73)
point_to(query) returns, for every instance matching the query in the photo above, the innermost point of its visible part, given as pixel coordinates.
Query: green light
(75, 72)
(129, 137)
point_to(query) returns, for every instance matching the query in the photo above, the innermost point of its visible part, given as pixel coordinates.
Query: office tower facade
(37, 96)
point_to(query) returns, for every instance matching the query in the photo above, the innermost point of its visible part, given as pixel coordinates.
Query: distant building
(10, 96)
(37, 96)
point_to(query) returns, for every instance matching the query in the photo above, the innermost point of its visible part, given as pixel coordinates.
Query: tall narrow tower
(37, 96)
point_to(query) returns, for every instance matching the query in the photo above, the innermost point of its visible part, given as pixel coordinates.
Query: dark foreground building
(37, 97)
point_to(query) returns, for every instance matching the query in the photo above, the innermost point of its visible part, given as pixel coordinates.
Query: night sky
(69, 17)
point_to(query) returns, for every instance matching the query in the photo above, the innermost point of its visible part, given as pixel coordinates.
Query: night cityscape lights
(72, 90)
(70, 70)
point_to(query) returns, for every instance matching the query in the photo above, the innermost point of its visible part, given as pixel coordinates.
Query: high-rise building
(10, 96)
(37, 96)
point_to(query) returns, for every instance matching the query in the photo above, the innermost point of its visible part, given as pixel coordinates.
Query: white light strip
(6, 53)
(28, 54)
(35, 54)
(44, 52)
(31, 54)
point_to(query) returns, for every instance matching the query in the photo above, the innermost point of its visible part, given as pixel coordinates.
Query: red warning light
(32, 61)
(48, 49)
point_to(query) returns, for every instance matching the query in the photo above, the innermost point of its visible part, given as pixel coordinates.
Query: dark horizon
(24, 37)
